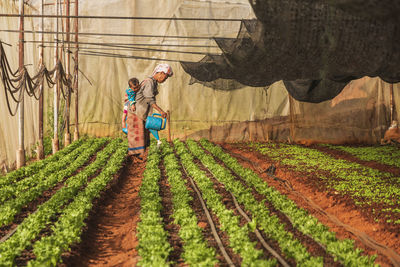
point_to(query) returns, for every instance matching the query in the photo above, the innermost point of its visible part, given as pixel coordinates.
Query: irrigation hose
(20, 81)
(363, 237)
(9, 234)
(256, 231)
(269, 171)
(210, 221)
(259, 236)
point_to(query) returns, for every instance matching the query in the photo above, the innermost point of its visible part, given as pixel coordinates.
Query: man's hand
(133, 108)
(163, 114)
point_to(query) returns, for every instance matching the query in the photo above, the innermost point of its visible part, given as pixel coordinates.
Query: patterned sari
(138, 135)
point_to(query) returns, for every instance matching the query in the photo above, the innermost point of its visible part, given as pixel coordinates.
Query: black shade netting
(305, 42)
(379, 9)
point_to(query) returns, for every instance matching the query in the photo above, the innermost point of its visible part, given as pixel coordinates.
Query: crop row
(267, 222)
(13, 206)
(68, 228)
(389, 155)
(343, 250)
(364, 184)
(36, 166)
(238, 235)
(195, 249)
(31, 227)
(153, 246)
(15, 189)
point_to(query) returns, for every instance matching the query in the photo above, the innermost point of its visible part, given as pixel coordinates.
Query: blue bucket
(155, 122)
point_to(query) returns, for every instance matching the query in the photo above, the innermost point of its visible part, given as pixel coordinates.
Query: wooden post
(391, 104)
(56, 88)
(169, 126)
(250, 132)
(21, 145)
(292, 121)
(40, 149)
(67, 137)
(76, 133)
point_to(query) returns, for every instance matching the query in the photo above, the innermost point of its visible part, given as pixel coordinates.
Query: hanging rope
(15, 83)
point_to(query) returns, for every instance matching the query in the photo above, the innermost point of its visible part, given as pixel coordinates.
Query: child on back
(129, 100)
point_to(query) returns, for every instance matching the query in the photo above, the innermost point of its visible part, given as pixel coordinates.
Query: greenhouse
(199, 133)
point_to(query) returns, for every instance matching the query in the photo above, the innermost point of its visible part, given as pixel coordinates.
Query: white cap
(163, 68)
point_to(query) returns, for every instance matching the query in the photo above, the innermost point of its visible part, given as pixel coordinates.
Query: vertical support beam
(21, 145)
(76, 71)
(67, 137)
(251, 139)
(292, 120)
(169, 125)
(56, 87)
(391, 104)
(40, 149)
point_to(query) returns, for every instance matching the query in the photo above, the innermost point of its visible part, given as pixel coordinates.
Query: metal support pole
(67, 137)
(56, 88)
(40, 149)
(76, 71)
(21, 146)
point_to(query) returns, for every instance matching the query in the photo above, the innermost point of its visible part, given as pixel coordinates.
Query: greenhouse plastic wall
(359, 114)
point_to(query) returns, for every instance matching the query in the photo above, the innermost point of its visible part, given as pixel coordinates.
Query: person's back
(145, 97)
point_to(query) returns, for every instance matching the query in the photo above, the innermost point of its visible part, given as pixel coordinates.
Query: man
(138, 135)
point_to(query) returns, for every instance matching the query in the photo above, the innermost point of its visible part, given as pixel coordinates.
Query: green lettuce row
(153, 247)
(365, 185)
(68, 229)
(30, 228)
(238, 236)
(13, 206)
(37, 166)
(389, 155)
(267, 222)
(342, 250)
(15, 189)
(196, 252)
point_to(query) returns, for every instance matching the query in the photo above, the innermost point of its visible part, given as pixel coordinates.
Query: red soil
(334, 205)
(109, 238)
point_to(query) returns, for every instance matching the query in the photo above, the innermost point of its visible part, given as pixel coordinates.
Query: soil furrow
(46, 195)
(166, 213)
(28, 254)
(229, 203)
(109, 238)
(313, 247)
(339, 154)
(203, 223)
(334, 204)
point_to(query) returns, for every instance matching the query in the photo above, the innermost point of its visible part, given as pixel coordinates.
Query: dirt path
(109, 238)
